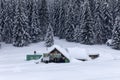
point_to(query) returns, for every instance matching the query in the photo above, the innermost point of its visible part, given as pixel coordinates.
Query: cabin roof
(61, 49)
(71, 53)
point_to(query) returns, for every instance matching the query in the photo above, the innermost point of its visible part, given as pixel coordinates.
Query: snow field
(14, 67)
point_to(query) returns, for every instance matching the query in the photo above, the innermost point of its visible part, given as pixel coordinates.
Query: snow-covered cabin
(78, 53)
(58, 54)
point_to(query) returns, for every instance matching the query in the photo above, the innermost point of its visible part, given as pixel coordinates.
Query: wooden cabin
(56, 55)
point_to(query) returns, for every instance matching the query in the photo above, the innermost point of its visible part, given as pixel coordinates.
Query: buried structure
(56, 54)
(78, 53)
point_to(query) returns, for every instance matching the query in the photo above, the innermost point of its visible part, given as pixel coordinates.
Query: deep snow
(14, 67)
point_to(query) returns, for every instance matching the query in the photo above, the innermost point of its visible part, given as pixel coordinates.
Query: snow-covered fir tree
(77, 10)
(35, 29)
(2, 17)
(9, 21)
(77, 34)
(116, 34)
(29, 14)
(118, 7)
(0, 25)
(56, 16)
(113, 7)
(70, 25)
(43, 16)
(0, 33)
(7, 30)
(87, 34)
(107, 19)
(62, 20)
(51, 14)
(74, 18)
(20, 35)
(82, 21)
(92, 6)
(29, 11)
(98, 27)
(49, 39)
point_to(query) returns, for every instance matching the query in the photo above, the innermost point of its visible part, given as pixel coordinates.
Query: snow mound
(105, 57)
(78, 53)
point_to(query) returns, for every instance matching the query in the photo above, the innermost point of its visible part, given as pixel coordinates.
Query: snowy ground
(14, 67)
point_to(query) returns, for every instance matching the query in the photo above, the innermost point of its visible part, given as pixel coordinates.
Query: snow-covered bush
(49, 41)
(109, 42)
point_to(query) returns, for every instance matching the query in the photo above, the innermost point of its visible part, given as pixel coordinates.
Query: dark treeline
(82, 21)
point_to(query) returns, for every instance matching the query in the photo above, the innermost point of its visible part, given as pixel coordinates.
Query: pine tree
(99, 27)
(99, 31)
(9, 21)
(56, 16)
(107, 18)
(49, 41)
(43, 16)
(0, 27)
(0, 34)
(77, 11)
(82, 21)
(20, 35)
(69, 33)
(2, 18)
(77, 34)
(87, 34)
(113, 7)
(116, 34)
(7, 30)
(92, 6)
(29, 13)
(51, 14)
(118, 7)
(74, 19)
(35, 29)
(62, 20)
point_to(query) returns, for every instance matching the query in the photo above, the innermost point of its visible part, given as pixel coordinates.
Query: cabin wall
(57, 56)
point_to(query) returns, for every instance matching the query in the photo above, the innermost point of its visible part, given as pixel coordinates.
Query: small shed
(57, 54)
(33, 57)
(78, 53)
(94, 55)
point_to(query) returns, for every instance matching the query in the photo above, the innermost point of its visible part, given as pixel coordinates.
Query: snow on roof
(61, 49)
(78, 53)
(92, 53)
